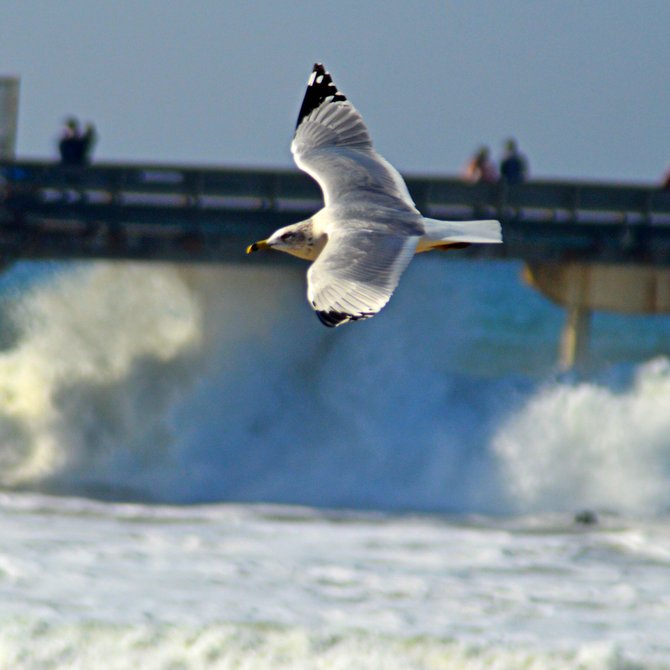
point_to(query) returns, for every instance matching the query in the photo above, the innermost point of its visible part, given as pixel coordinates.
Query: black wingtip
(319, 87)
(333, 318)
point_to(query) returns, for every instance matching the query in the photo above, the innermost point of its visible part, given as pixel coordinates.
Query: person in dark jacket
(74, 146)
(69, 145)
(513, 166)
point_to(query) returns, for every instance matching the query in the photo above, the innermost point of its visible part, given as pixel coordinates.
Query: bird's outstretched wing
(356, 273)
(332, 144)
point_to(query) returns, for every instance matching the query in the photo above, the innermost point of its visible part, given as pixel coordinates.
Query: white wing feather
(333, 146)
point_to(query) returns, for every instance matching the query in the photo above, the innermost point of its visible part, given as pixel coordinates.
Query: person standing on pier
(75, 147)
(665, 184)
(69, 141)
(480, 168)
(513, 166)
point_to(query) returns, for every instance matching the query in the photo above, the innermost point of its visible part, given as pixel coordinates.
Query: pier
(586, 246)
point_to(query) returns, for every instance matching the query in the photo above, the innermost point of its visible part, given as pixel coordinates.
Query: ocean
(194, 473)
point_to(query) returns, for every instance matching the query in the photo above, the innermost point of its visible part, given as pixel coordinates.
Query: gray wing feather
(356, 274)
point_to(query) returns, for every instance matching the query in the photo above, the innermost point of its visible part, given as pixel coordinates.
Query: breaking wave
(186, 384)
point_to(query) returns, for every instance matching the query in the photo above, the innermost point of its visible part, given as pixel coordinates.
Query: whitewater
(195, 474)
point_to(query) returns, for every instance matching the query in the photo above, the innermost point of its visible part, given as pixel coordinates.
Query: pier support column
(582, 288)
(575, 337)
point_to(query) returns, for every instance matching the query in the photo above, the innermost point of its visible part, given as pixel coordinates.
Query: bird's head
(296, 239)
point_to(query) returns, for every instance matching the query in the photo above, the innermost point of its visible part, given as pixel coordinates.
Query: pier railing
(171, 212)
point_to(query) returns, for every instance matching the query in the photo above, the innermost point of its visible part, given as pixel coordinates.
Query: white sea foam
(26, 645)
(586, 444)
(106, 585)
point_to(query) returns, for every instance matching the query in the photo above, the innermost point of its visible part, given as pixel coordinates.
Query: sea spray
(78, 379)
(187, 384)
(585, 443)
(103, 354)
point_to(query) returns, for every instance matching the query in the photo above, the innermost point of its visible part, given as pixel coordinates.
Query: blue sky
(582, 84)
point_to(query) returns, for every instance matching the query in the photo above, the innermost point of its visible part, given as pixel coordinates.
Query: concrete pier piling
(573, 351)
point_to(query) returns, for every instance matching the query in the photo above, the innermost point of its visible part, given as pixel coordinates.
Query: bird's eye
(287, 236)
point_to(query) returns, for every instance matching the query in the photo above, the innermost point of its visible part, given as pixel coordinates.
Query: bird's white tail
(441, 233)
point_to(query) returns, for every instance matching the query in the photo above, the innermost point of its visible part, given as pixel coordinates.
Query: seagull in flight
(369, 228)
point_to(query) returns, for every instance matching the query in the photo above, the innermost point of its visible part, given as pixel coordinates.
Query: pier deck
(193, 214)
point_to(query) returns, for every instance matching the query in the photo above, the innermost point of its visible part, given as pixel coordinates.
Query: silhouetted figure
(513, 166)
(75, 147)
(665, 184)
(480, 168)
(69, 142)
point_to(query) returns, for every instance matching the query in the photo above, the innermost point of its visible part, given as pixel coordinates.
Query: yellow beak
(263, 244)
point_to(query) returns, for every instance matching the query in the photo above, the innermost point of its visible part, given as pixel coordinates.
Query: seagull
(369, 229)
